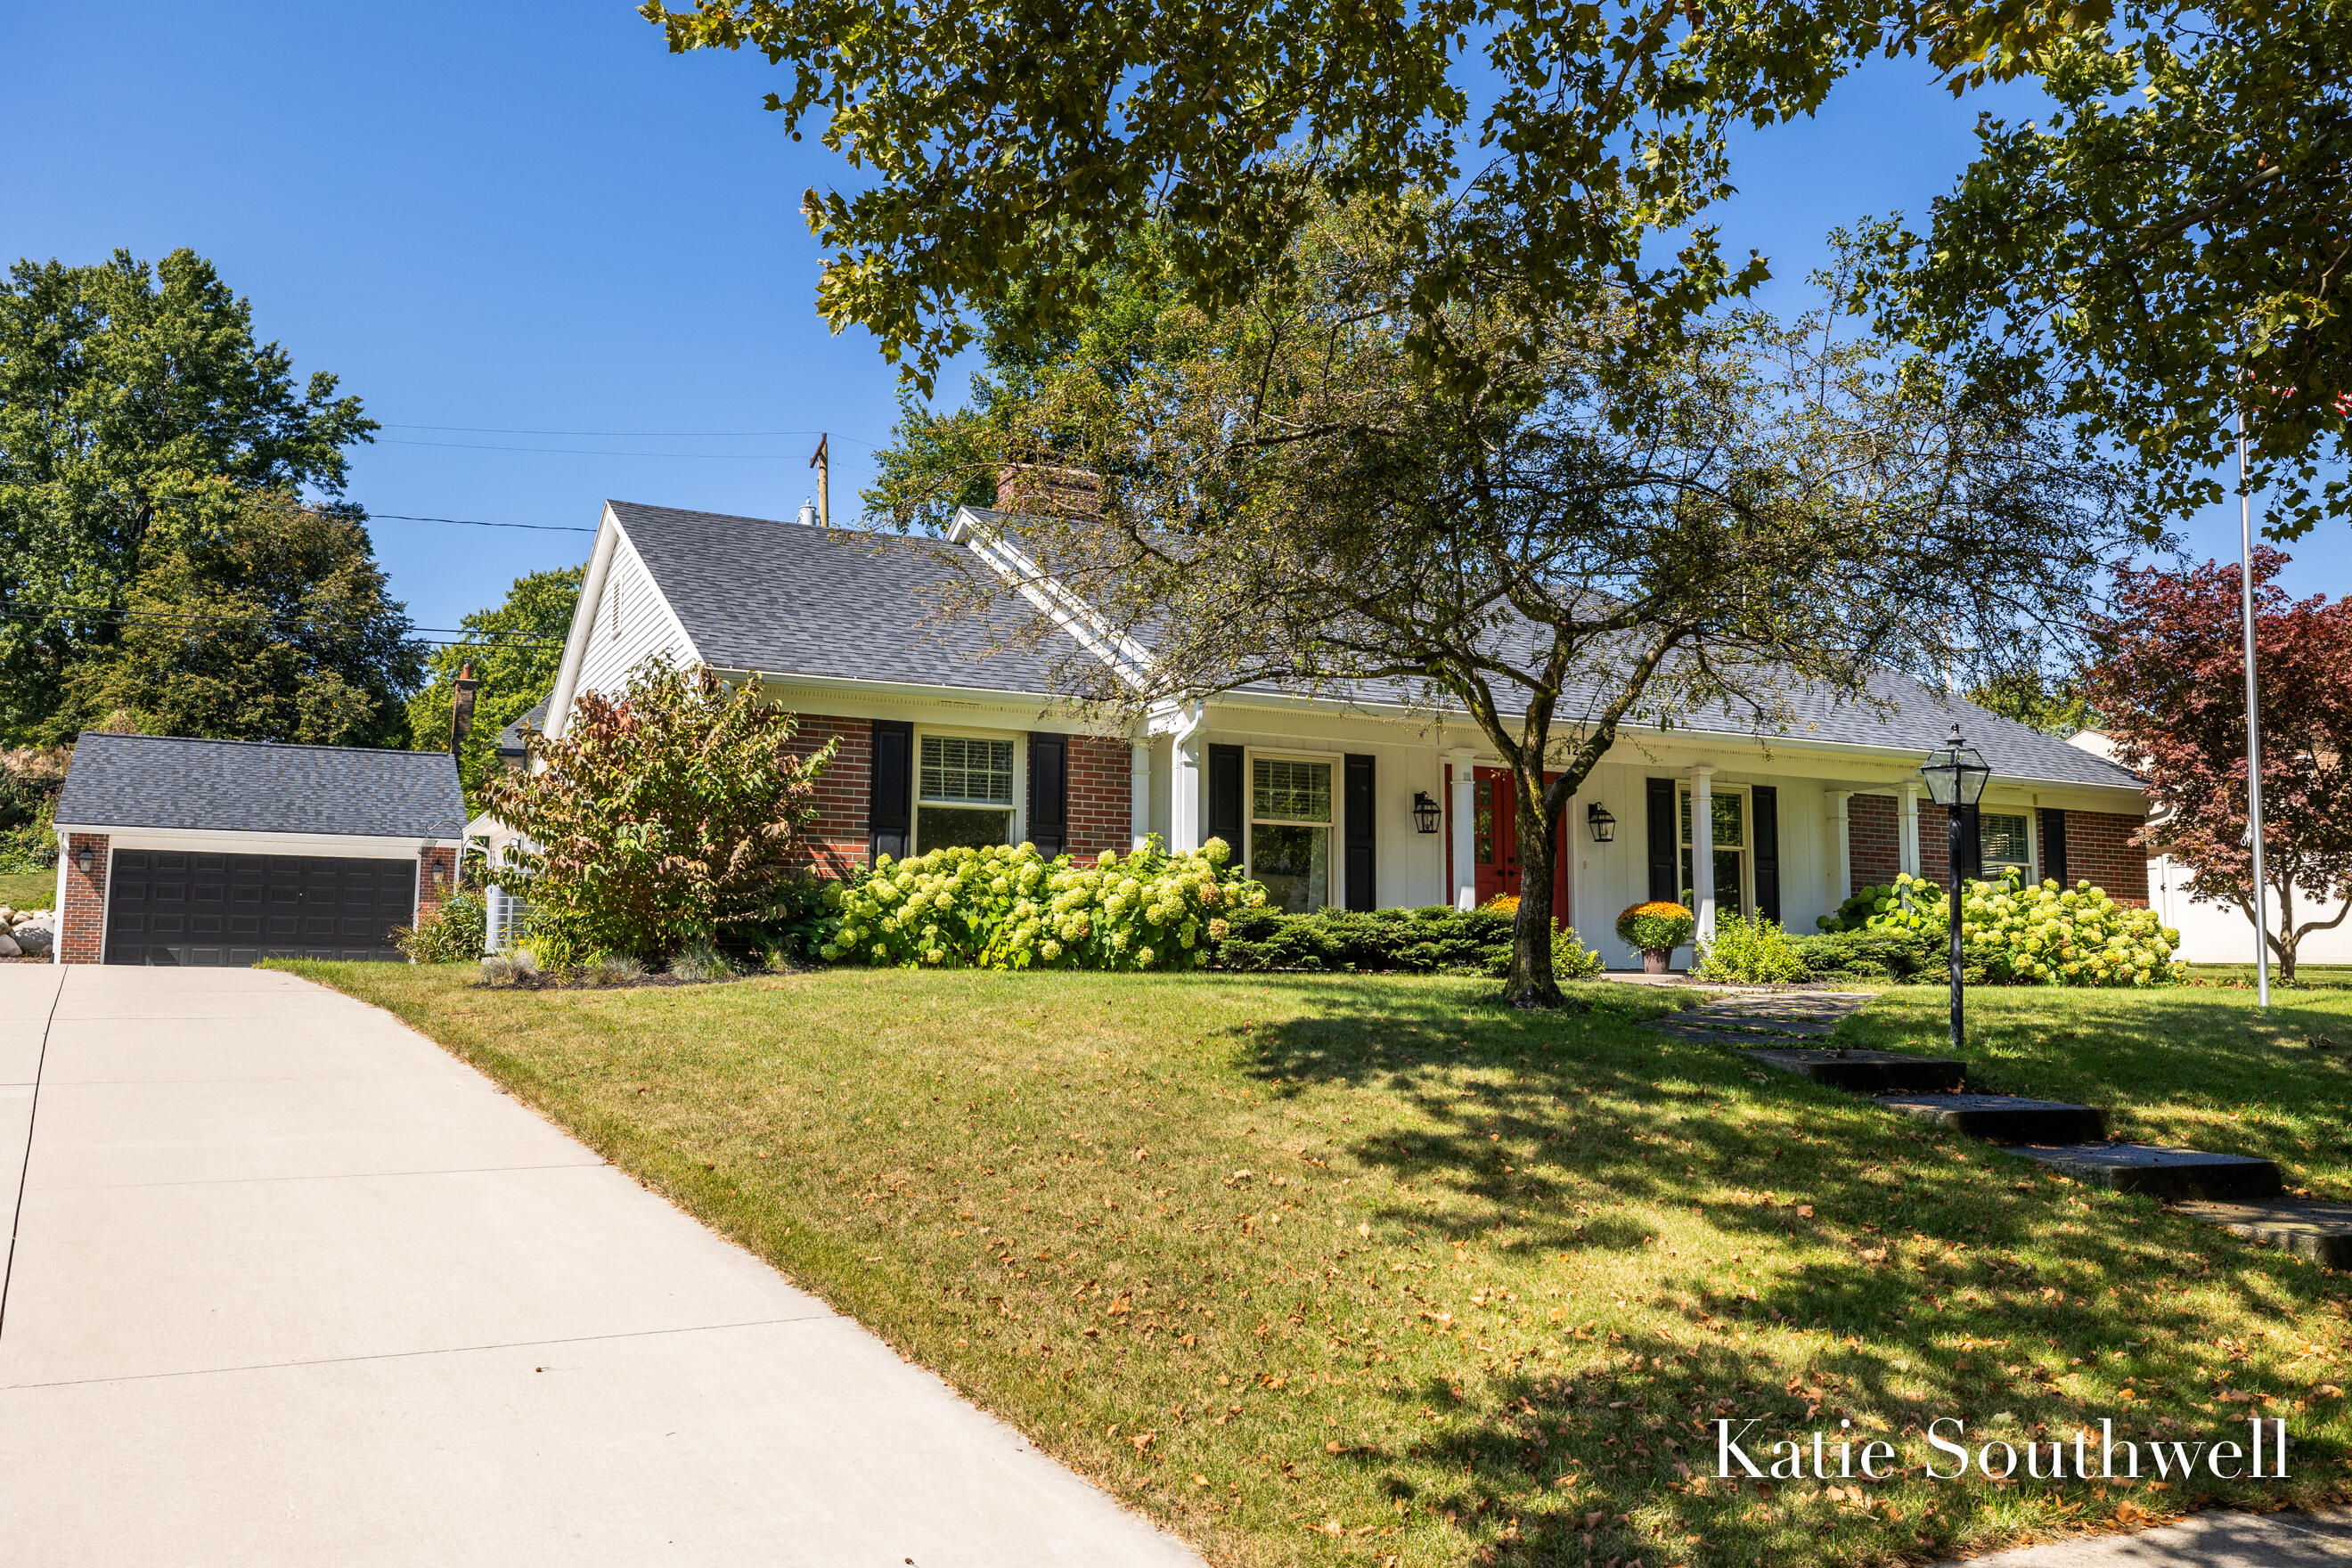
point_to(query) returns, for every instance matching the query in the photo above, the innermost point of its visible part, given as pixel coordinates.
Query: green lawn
(1341, 1269)
(28, 890)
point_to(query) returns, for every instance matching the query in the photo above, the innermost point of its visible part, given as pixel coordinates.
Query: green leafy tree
(273, 625)
(669, 814)
(1007, 155)
(136, 410)
(2054, 704)
(518, 644)
(2165, 246)
(1561, 542)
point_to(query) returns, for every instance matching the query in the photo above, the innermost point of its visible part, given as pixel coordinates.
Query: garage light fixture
(82, 859)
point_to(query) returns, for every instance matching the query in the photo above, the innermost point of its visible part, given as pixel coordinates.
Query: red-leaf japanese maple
(2171, 684)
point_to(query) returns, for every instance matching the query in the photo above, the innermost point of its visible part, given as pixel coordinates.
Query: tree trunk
(1532, 983)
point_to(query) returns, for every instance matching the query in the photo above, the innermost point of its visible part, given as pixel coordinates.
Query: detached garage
(215, 853)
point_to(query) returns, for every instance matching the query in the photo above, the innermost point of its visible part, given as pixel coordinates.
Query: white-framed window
(1290, 829)
(2008, 840)
(964, 791)
(1729, 847)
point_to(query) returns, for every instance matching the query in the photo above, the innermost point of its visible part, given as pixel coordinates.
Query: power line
(629, 435)
(476, 522)
(54, 612)
(597, 451)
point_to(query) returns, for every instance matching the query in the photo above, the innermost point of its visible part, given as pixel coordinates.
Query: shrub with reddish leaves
(671, 813)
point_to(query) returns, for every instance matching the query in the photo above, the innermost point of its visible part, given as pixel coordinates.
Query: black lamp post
(1956, 776)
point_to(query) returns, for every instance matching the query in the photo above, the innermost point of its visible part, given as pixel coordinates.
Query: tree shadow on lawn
(1888, 1273)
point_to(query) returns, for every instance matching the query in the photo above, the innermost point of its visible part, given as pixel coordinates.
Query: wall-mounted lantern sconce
(1425, 812)
(1603, 826)
(83, 859)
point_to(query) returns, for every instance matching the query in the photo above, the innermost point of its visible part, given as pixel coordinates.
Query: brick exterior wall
(82, 925)
(2099, 851)
(1935, 844)
(843, 793)
(429, 895)
(1101, 795)
(1873, 840)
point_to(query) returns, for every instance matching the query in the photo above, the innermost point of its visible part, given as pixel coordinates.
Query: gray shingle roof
(510, 742)
(784, 599)
(756, 593)
(251, 786)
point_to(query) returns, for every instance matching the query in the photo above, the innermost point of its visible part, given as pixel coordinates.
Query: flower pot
(1655, 961)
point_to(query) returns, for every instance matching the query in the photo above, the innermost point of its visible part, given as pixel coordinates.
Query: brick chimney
(1056, 492)
(461, 707)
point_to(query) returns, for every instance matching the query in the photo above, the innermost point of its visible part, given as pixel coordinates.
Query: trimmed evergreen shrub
(1424, 941)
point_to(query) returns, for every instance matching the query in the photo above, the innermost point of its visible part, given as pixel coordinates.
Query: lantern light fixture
(1596, 817)
(1425, 812)
(82, 858)
(1956, 774)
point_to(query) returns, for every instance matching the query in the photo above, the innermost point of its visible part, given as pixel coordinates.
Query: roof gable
(757, 593)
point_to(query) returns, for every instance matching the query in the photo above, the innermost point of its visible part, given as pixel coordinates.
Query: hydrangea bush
(2026, 933)
(1011, 908)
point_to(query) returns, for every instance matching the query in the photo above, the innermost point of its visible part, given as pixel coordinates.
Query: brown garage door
(217, 910)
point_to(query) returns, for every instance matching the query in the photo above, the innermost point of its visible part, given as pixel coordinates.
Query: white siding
(632, 623)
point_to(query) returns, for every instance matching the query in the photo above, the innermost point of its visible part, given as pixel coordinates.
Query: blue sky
(561, 264)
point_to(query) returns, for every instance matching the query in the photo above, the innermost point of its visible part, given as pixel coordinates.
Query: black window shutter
(1766, 804)
(1665, 842)
(1226, 797)
(1049, 794)
(888, 805)
(2053, 845)
(1971, 865)
(1360, 798)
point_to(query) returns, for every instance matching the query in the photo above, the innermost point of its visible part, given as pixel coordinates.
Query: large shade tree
(275, 624)
(2167, 245)
(2172, 686)
(2173, 235)
(1569, 540)
(136, 411)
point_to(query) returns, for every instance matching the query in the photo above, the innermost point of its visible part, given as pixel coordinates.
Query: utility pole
(823, 464)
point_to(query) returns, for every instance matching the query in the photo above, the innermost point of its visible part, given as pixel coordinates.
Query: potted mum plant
(1656, 929)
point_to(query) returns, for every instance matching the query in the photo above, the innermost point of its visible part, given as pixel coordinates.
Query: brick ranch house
(220, 853)
(950, 736)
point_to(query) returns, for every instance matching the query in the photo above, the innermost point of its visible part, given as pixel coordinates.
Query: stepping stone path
(2235, 1191)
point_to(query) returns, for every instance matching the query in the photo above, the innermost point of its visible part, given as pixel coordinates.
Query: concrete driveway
(289, 1285)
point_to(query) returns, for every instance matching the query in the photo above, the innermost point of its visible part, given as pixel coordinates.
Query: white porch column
(1188, 760)
(1702, 793)
(1139, 809)
(1462, 816)
(1907, 839)
(1838, 861)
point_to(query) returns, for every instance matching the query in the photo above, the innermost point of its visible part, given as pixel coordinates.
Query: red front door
(1494, 842)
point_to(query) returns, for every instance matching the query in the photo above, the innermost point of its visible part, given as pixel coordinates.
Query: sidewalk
(2216, 1540)
(291, 1286)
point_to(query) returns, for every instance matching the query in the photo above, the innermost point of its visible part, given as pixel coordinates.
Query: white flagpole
(2254, 722)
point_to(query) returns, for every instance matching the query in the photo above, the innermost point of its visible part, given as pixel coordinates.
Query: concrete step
(2004, 1118)
(1865, 1072)
(2159, 1172)
(2314, 1228)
